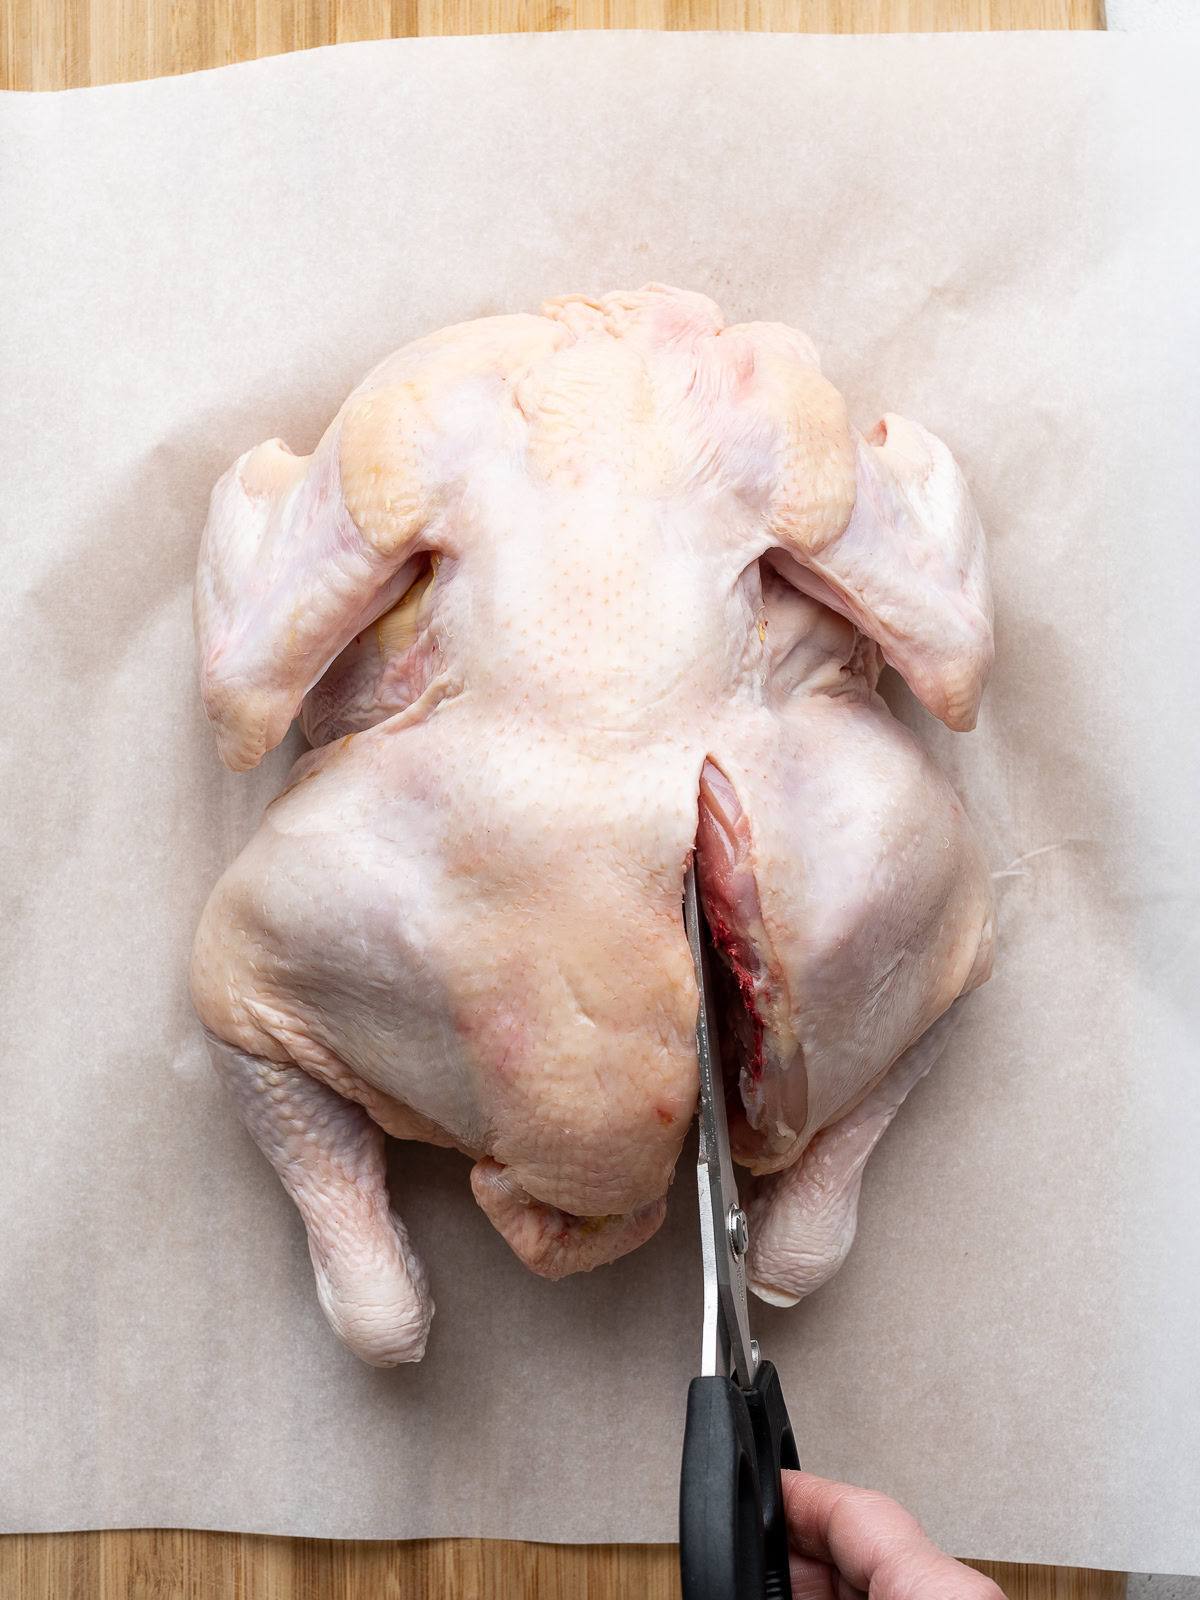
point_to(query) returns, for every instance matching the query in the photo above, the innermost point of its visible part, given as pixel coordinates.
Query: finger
(851, 1529)
(874, 1543)
(816, 1580)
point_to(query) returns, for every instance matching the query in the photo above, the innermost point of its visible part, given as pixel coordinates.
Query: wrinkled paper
(995, 235)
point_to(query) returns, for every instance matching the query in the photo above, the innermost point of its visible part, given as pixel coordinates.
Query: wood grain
(159, 1564)
(61, 44)
(66, 44)
(1054, 1583)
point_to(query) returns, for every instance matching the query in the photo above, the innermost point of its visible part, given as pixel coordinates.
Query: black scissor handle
(776, 1446)
(732, 1530)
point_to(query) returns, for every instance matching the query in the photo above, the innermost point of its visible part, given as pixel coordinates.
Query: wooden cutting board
(68, 44)
(63, 44)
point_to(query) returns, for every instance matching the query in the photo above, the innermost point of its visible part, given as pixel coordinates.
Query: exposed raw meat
(559, 599)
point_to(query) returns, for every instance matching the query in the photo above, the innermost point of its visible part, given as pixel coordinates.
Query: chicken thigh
(562, 601)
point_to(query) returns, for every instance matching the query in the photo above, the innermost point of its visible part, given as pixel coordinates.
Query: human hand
(845, 1542)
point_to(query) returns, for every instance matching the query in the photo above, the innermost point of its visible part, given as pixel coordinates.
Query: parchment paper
(996, 235)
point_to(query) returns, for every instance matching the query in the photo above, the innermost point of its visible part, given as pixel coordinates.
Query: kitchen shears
(737, 1439)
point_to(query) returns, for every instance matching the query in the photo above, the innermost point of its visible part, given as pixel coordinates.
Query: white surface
(1151, 16)
(996, 235)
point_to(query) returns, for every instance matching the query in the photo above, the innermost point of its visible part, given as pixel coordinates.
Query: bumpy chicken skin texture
(559, 600)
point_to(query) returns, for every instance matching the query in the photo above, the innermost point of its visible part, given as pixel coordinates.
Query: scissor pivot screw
(739, 1230)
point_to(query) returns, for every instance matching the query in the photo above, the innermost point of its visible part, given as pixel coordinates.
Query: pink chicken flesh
(559, 600)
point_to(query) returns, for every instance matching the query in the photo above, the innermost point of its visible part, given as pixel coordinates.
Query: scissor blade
(727, 1347)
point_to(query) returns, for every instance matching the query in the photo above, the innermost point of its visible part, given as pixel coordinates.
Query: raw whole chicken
(560, 600)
